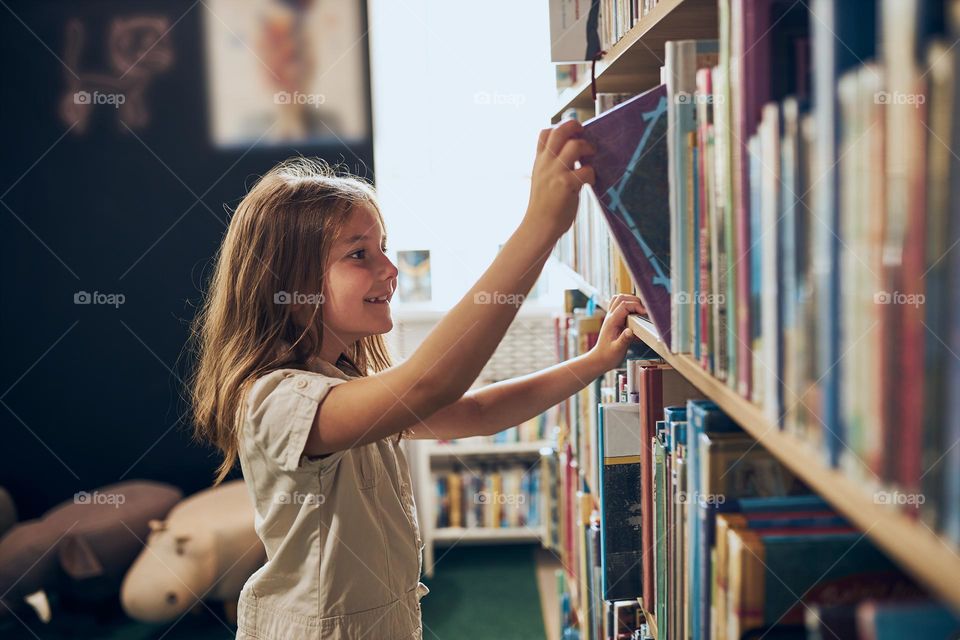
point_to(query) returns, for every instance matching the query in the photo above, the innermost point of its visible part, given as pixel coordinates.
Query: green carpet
(483, 592)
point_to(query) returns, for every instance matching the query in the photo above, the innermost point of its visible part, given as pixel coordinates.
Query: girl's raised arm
(453, 354)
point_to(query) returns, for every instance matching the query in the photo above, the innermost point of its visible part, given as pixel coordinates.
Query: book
(619, 489)
(949, 516)
(842, 35)
(732, 467)
(774, 573)
(893, 620)
(660, 386)
(941, 62)
(703, 416)
(631, 185)
(658, 463)
(682, 59)
(708, 295)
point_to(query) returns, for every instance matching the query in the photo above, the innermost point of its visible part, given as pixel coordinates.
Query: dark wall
(92, 393)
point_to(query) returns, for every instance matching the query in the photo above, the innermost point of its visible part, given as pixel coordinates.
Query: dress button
(301, 383)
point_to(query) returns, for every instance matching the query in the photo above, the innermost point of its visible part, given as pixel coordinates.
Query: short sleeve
(281, 408)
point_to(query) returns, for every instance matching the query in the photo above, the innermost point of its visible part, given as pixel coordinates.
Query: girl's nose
(390, 270)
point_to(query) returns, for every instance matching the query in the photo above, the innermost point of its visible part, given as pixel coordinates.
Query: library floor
(477, 593)
(492, 592)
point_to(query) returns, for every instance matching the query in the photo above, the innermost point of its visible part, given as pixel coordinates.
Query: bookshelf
(632, 66)
(450, 535)
(930, 560)
(431, 453)
(633, 63)
(436, 450)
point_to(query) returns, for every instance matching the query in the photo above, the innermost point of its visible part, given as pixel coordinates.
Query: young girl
(294, 380)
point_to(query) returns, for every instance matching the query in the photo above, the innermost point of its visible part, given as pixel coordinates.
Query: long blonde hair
(278, 240)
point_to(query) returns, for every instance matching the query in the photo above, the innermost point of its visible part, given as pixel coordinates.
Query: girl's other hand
(556, 182)
(615, 336)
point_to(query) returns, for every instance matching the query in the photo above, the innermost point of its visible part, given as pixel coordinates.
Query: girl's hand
(556, 182)
(615, 336)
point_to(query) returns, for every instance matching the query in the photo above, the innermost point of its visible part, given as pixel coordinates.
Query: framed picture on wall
(282, 71)
(413, 280)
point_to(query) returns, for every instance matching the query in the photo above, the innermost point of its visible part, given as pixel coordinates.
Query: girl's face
(360, 282)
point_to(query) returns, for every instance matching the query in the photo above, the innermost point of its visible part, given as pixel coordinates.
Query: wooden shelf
(486, 535)
(633, 64)
(487, 449)
(914, 546)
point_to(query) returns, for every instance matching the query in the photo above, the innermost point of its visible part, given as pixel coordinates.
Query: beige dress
(341, 534)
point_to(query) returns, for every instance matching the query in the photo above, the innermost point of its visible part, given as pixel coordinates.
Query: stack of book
(580, 30)
(807, 184)
(665, 502)
(814, 209)
(490, 496)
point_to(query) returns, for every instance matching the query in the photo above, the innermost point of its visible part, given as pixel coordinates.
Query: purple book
(632, 187)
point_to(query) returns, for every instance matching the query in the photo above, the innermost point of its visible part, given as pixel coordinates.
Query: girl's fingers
(575, 149)
(542, 140)
(561, 133)
(585, 175)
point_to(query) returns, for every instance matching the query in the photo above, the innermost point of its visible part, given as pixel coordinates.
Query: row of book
(662, 499)
(507, 495)
(580, 31)
(787, 205)
(813, 208)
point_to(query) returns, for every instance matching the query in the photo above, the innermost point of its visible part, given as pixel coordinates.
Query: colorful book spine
(619, 493)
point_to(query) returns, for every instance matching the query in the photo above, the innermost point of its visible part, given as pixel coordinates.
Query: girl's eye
(359, 254)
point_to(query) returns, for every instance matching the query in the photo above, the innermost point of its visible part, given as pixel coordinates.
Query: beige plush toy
(205, 550)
